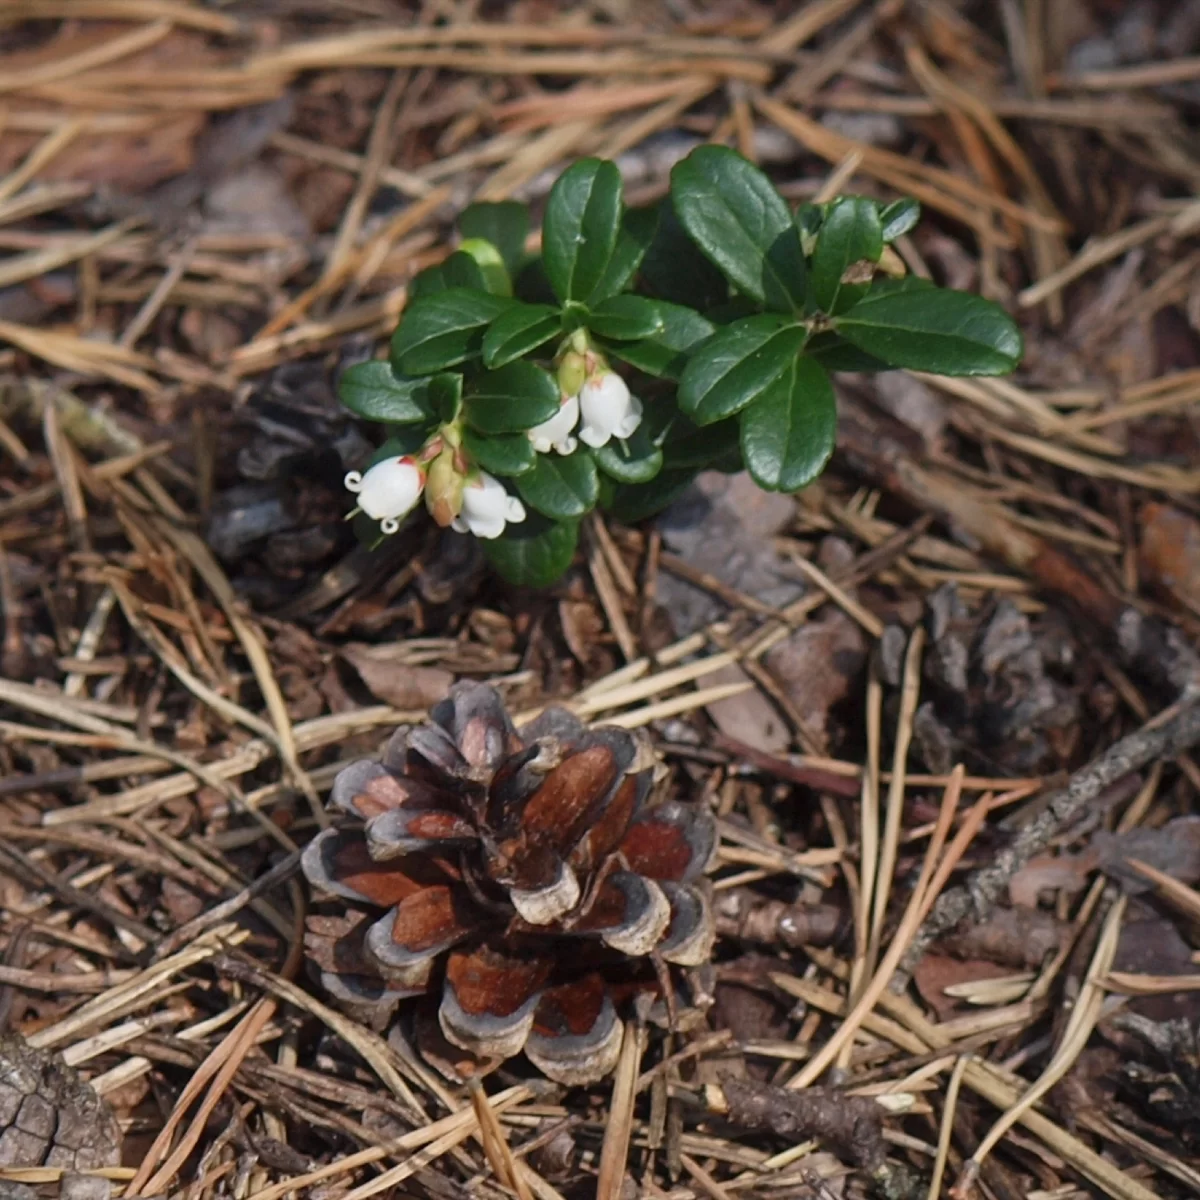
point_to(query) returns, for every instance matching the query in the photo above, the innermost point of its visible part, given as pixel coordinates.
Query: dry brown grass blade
(940, 189)
(438, 1136)
(90, 359)
(921, 900)
(495, 1143)
(614, 1153)
(176, 12)
(220, 1067)
(72, 66)
(890, 839)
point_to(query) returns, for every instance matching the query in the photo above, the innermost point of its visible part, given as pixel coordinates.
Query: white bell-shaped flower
(608, 410)
(389, 490)
(487, 508)
(555, 434)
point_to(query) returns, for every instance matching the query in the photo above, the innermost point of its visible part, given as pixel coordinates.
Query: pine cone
(49, 1116)
(527, 879)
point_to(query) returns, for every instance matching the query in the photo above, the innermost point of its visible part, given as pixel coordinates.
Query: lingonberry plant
(642, 346)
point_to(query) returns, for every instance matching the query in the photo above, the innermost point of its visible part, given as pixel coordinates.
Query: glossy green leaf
(741, 223)
(809, 218)
(456, 270)
(373, 390)
(672, 270)
(634, 459)
(504, 223)
(638, 227)
(561, 487)
(496, 278)
(579, 231)
(534, 552)
(626, 318)
(851, 234)
(899, 217)
(443, 330)
(836, 354)
(788, 433)
(636, 502)
(407, 440)
(737, 365)
(934, 329)
(512, 399)
(664, 355)
(519, 331)
(500, 453)
(445, 395)
(694, 446)
(889, 286)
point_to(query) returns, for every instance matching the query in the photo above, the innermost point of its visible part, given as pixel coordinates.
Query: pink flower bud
(487, 508)
(444, 488)
(607, 408)
(389, 490)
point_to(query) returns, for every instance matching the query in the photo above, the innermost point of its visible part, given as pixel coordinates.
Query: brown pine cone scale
(526, 880)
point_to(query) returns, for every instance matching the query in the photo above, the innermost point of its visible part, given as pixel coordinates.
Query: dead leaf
(1050, 873)
(747, 717)
(937, 972)
(1169, 551)
(1154, 946)
(1173, 848)
(391, 678)
(817, 667)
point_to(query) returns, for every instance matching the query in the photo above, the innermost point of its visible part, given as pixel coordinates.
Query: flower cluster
(591, 391)
(471, 501)
(523, 881)
(463, 496)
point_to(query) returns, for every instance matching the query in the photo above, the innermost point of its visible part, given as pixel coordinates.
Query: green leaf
(443, 330)
(664, 355)
(672, 270)
(512, 399)
(626, 318)
(788, 434)
(637, 232)
(534, 552)
(560, 487)
(520, 330)
(372, 390)
(504, 223)
(635, 459)
(737, 365)
(887, 286)
(851, 234)
(741, 223)
(899, 217)
(445, 394)
(837, 354)
(456, 270)
(500, 453)
(496, 278)
(579, 231)
(636, 502)
(408, 440)
(934, 329)
(808, 220)
(688, 445)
